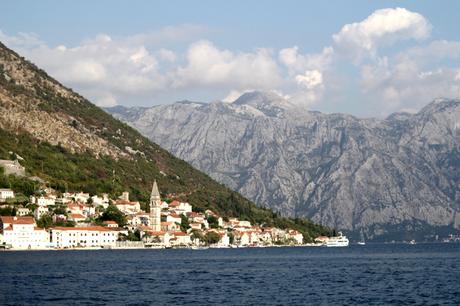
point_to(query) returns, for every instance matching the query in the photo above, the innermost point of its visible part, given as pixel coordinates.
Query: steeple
(155, 208)
(155, 195)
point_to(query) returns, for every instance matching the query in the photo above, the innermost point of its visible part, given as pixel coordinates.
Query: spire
(155, 193)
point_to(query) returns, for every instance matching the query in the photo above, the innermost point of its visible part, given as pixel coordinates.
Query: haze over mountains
(384, 176)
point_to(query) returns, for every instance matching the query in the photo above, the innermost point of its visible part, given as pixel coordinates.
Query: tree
(231, 237)
(196, 234)
(213, 222)
(45, 221)
(114, 214)
(7, 211)
(184, 224)
(212, 238)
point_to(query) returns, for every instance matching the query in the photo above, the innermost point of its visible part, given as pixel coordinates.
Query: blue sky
(147, 53)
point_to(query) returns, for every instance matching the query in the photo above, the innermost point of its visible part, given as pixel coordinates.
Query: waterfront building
(92, 236)
(23, 233)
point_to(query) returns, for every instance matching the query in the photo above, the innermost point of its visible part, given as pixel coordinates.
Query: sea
(374, 274)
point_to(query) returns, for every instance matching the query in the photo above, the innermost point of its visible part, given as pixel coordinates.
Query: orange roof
(17, 220)
(174, 203)
(109, 222)
(157, 233)
(77, 216)
(179, 234)
(175, 215)
(124, 202)
(166, 223)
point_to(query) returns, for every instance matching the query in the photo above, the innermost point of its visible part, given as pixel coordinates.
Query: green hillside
(29, 94)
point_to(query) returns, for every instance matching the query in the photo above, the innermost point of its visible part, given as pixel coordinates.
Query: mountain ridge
(340, 170)
(71, 144)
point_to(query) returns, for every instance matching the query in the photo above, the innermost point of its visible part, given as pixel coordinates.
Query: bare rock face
(380, 176)
(26, 105)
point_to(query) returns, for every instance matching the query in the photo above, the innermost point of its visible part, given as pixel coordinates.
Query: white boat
(199, 248)
(338, 241)
(362, 242)
(219, 246)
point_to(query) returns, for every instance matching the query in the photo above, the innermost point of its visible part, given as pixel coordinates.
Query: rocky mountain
(69, 143)
(389, 178)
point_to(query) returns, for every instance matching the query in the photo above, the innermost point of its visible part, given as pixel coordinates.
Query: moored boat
(338, 241)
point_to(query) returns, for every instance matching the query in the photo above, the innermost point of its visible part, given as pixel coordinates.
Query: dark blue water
(423, 274)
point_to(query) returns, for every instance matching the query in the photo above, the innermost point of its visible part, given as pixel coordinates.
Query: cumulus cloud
(208, 65)
(406, 83)
(382, 27)
(355, 71)
(297, 62)
(310, 79)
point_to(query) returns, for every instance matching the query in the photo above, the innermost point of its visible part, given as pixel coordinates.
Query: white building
(22, 211)
(40, 211)
(127, 207)
(174, 218)
(43, 200)
(101, 201)
(22, 233)
(296, 236)
(77, 217)
(180, 238)
(94, 236)
(181, 208)
(6, 194)
(110, 223)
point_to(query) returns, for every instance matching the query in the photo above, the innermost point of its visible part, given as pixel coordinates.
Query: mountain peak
(270, 103)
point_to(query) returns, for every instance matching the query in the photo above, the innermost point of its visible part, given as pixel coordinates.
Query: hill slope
(388, 177)
(73, 145)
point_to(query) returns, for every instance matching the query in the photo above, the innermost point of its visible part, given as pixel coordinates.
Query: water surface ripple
(423, 274)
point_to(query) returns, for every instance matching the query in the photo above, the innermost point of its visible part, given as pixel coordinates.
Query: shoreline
(160, 248)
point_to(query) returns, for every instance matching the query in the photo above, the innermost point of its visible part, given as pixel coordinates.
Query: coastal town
(74, 220)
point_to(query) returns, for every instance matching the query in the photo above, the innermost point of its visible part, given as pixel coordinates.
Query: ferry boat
(338, 241)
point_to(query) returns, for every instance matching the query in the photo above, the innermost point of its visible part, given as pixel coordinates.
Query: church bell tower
(155, 209)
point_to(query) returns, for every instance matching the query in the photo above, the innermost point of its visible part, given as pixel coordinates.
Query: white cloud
(296, 62)
(209, 66)
(384, 26)
(310, 79)
(106, 100)
(167, 55)
(234, 94)
(355, 72)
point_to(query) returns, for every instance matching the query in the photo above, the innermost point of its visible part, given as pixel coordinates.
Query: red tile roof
(77, 216)
(179, 234)
(17, 220)
(174, 204)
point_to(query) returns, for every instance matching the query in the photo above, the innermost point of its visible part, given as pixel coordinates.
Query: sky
(366, 58)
